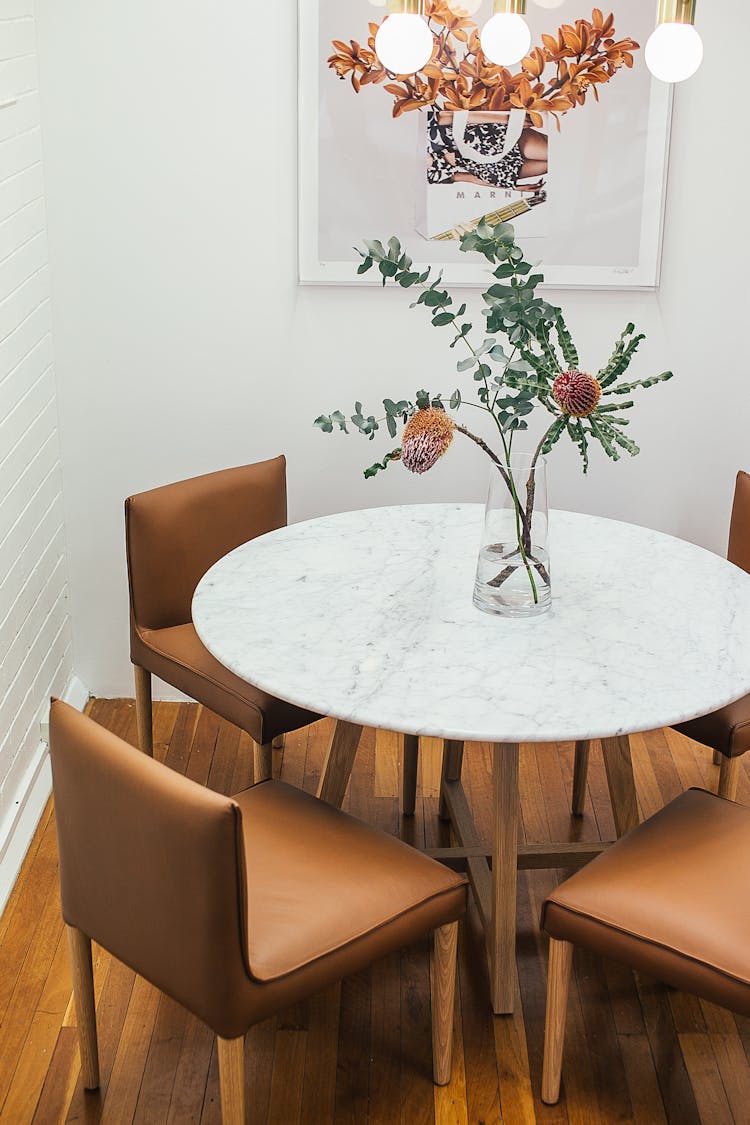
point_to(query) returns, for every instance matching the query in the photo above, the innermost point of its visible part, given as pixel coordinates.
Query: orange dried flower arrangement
(585, 55)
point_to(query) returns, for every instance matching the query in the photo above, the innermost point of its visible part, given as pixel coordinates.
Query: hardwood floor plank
(287, 1082)
(416, 1097)
(155, 1094)
(59, 1080)
(132, 1053)
(321, 1057)
(643, 1085)
(385, 1041)
(480, 1061)
(191, 1074)
(31, 1070)
(677, 1093)
(702, 1067)
(24, 888)
(202, 746)
(353, 1076)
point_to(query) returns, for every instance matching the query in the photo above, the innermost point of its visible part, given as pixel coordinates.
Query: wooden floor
(360, 1052)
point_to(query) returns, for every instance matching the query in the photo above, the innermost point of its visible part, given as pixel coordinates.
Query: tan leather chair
(726, 731)
(663, 900)
(174, 535)
(236, 906)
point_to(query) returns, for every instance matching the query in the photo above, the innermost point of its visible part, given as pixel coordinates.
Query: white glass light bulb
(465, 7)
(549, 3)
(506, 38)
(674, 52)
(404, 43)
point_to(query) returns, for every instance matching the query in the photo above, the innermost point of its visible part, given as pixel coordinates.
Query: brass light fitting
(406, 7)
(676, 11)
(510, 7)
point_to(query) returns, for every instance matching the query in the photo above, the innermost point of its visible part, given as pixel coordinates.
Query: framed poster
(570, 145)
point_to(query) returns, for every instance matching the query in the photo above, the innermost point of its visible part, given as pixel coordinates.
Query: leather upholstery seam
(640, 938)
(363, 935)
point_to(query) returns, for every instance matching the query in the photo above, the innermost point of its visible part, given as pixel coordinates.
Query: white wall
(35, 635)
(184, 343)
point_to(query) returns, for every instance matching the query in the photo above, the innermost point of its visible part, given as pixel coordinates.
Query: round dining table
(368, 617)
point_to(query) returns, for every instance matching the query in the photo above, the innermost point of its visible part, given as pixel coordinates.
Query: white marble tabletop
(368, 616)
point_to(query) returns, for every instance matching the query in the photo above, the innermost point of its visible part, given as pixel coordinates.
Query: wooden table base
(492, 868)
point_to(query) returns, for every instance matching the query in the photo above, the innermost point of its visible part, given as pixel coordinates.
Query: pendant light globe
(506, 38)
(404, 43)
(674, 52)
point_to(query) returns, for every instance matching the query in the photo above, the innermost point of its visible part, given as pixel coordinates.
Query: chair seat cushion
(320, 882)
(178, 656)
(670, 899)
(726, 730)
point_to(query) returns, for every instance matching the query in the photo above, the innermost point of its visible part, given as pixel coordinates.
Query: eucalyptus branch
(536, 373)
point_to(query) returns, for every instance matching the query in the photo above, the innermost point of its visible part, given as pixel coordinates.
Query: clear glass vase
(513, 570)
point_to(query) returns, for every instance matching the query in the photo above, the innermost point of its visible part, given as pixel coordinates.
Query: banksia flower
(577, 393)
(426, 437)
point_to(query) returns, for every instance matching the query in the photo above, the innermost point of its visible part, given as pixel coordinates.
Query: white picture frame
(640, 110)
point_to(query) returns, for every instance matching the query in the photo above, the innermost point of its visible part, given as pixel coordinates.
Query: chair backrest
(738, 551)
(176, 533)
(151, 865)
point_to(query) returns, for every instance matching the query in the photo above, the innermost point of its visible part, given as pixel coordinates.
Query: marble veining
(368, 616)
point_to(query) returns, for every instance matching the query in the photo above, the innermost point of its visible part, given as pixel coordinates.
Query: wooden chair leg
(728, 777)
(453, 757)
(558, 980)
(718, 757)
(232, 1079)
(580, 777)
(409, 775)
(83, 990)
(443, 994)
(143, 710)
(262, 761)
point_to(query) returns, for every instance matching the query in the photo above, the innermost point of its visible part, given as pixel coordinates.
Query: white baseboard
(17, 831)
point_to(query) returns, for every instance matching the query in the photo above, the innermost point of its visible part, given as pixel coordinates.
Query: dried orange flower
(554, 77)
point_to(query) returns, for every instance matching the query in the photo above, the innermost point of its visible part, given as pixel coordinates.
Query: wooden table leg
(621, 782)
(339, 762)
(502, 943)
(453, 756)
(409, 774)
(580, 777)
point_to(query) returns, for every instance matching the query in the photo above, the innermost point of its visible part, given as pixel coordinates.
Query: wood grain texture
(443, 996)
(262, 761)
(83, 991)
(504, 864)
(619, 766)
(453, 756)
(409, 772)
(729, 777)
(558, 981)
(361, 1052)
(144, 709)
(231, 1054)
(580, 777)
(339, 763)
